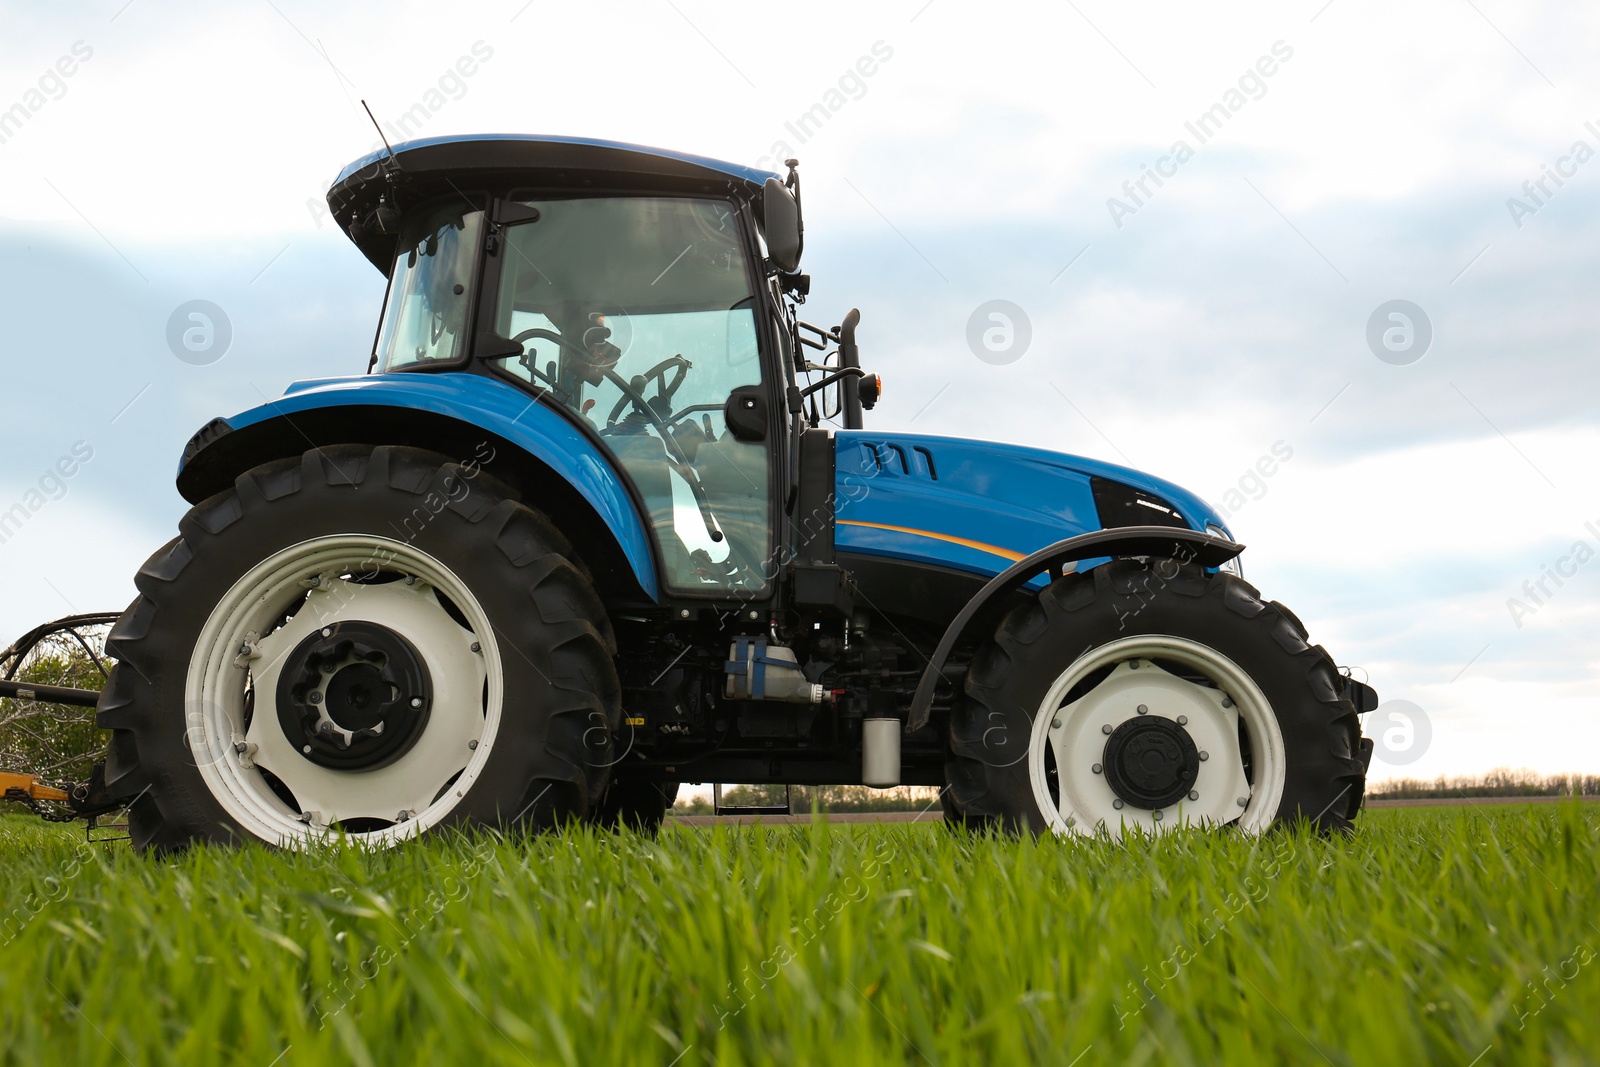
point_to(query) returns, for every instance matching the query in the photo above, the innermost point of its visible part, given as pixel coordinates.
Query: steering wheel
(634, 392)
(550, 335)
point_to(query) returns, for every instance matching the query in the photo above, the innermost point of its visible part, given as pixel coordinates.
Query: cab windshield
(637, 314)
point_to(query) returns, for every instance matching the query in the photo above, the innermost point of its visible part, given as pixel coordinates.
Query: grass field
(1454, 936)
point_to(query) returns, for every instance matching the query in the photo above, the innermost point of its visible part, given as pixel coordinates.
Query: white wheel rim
(1075, 734)
(455, 741)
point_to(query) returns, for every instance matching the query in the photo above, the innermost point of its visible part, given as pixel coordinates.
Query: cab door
(639, 316)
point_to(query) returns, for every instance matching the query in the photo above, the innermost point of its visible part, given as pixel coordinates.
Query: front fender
(1160, 542)
(436, 411)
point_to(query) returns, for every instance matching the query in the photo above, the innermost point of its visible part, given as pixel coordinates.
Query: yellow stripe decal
(993, 550)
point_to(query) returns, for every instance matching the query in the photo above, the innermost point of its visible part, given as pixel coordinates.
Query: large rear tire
(375, 641)
(1151, 695)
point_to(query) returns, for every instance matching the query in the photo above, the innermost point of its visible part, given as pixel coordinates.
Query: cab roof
(432, 166)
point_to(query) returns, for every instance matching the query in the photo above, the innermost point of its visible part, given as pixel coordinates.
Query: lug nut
(1244, 802)
(1055, 724)
(328, 668)
(1183, 720)
(1095, 768)
(306, 749)
(327, 631)
(1194, 794)
(683, 613)
(1144, 709)
(476, 647)
(315, 697)
(416, 702)
(1204, 755)
(1157, 816)
(241, 747)
(473, 744)
(1106, 729)
(1227, 702)
(1133, 665)
(1117, 804)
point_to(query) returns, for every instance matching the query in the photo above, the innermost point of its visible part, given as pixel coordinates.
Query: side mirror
(781, 226)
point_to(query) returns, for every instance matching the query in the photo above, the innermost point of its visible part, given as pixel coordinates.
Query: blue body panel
(501, 409)
(976, 506)
(753, 175)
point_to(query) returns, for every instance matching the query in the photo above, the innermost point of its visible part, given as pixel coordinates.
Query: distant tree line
(1501, 782)
(834, 798)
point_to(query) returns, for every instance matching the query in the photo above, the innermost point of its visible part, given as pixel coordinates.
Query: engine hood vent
(1123, 505)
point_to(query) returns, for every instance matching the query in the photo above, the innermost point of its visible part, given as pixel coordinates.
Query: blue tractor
(603, 518)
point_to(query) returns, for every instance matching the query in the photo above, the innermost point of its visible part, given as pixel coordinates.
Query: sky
(1428, 507)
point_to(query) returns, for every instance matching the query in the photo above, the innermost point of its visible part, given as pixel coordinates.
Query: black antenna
(381, 137)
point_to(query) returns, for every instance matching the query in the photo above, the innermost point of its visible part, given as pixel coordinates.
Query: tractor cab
(628, 288)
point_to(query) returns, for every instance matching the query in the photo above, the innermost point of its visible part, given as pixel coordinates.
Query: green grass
(1432, 936)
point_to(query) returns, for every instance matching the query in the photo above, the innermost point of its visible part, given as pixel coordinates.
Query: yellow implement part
(29, 785)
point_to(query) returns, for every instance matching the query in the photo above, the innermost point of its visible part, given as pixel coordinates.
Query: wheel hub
(353, 696)
(1151, 761)
(1154, 743)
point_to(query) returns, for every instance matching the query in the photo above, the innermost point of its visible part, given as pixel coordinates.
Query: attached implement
(30, 732)
(603, 517)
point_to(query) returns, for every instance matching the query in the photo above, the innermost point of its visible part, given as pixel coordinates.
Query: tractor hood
(980, 506)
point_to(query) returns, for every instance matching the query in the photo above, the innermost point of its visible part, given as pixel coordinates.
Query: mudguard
(1164, 542)
(473, 401)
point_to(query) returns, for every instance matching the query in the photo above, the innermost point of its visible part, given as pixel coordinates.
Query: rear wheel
(1152, 695)
(373, 641)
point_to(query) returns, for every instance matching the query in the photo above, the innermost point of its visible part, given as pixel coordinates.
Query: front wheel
(377, 642)
(1151, 695)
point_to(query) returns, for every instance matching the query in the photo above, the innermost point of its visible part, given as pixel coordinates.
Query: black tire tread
(565, 626)
(979, 795)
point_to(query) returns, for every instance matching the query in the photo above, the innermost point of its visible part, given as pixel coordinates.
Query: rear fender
(472, 418)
